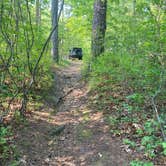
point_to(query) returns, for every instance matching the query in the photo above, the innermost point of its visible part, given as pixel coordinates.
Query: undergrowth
(123, 87)
(7, 147)
(12, 116)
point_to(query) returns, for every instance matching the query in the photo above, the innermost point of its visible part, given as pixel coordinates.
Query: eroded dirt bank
(73, 136)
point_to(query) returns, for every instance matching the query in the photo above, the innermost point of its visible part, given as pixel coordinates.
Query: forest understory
(82, 82)
(69, 128)
(72, 133)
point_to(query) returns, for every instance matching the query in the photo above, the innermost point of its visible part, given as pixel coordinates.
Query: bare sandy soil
(71, 134)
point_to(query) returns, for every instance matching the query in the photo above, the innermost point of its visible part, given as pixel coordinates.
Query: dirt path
(75, 135)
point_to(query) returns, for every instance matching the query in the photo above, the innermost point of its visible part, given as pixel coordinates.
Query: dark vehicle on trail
(75, 53)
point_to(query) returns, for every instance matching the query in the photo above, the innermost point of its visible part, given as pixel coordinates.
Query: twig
(67, 93)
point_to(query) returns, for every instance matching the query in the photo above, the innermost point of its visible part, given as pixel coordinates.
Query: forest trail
(73, 136)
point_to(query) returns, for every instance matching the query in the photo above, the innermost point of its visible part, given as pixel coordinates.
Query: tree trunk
(99, 27)
(38, 12)
(55, 43)
(134, 23)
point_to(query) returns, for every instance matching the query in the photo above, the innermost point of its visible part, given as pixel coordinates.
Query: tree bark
(99, 27)
(55, 43)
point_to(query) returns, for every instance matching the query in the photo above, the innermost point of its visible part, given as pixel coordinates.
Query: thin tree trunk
(99, 27)
(134, 23)
(38, 12)
(55, 43)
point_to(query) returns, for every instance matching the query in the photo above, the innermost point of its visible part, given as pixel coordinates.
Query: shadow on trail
(83, 141)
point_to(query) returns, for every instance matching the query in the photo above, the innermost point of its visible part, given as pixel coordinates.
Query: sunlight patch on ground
(65, 160)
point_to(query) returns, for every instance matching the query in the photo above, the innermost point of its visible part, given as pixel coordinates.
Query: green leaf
(164, 147)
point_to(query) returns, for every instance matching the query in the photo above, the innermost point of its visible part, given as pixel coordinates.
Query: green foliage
(5, 148)
(135, 63)
(151, 126)
(126, 69)
(140, 163)
(21, 44)
(132, 144)
(75, 27)
(134, 60)
(18, 118)
(112, 120)
(164, 147)
(136, 98)
(14, 163)
(151, 141)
